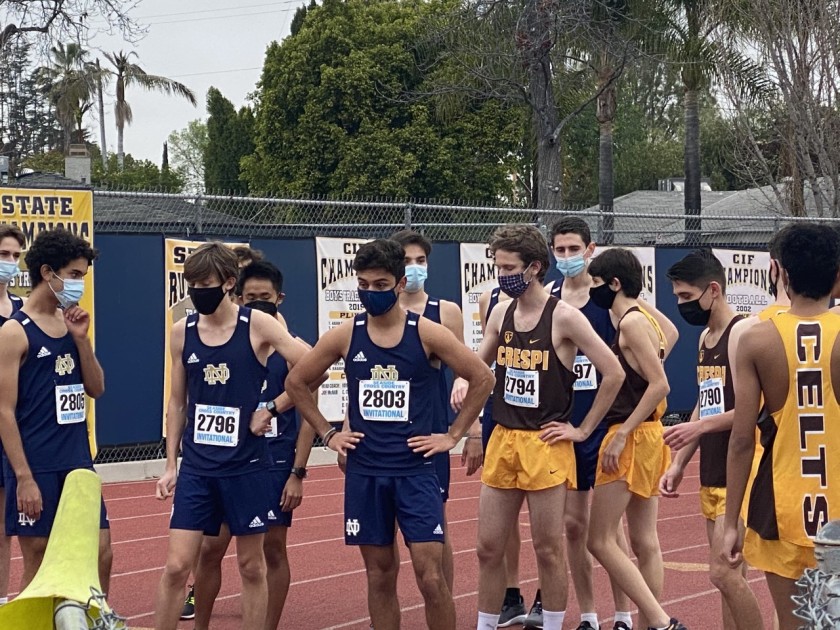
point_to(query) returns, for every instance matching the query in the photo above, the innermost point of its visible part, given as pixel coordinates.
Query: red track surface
(328, 583)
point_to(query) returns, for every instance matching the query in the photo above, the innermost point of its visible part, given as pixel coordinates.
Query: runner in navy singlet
(47, 368)
(219, 356)
(392, 377)
(12, 242)
(289, 444)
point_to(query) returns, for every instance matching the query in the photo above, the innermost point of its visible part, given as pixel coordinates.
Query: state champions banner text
(178, 304)
(37, 210)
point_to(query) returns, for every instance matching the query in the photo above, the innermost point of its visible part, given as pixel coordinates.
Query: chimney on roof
(4, 170)
(77, 163)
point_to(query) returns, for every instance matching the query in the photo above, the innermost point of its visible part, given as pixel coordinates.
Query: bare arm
(742, 440)
(578, 329)
(442, 343)
(93, 378)
(669, 331)
(13, 348)
(490, 341)
(330, 347)
(176, 419)
(635, 333)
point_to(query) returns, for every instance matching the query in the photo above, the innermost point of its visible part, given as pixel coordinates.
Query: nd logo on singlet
(64, 365)
(214, 375)
(388, 373)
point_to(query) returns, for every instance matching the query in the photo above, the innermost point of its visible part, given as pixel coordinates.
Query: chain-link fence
(743, 219)
(731, 219)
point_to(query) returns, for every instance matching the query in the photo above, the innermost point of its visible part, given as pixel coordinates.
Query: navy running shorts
(276, 517)
(586, 457)
(443, 474)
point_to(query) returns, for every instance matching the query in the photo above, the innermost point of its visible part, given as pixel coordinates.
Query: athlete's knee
(490, 550)
(252, 567)
(576, 529)
(106, 555)
(177, 570)
(431, 582)
(645, 545)
(275, 556)
(548, 550)
(212, 550)
(722, 576)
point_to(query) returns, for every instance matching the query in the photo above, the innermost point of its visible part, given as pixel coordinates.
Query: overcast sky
(201, 43)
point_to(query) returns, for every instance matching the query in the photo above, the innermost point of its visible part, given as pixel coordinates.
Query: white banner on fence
(478, 274)
(646, 256)
(747, 279)
(338, 301)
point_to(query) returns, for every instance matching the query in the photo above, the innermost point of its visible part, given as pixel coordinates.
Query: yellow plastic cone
(70, 567)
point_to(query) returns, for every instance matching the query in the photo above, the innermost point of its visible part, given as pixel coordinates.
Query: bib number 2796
(216, 425)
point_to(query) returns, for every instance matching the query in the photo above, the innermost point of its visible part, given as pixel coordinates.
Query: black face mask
(603, 296)
(206, 301)
(263, 305)
(772, 289)
(695, 314)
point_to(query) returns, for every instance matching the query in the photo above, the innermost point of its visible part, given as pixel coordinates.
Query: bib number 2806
(70, 403)
(216, 425)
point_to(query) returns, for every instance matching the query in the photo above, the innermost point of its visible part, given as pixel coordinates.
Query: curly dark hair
(56, 248)
(383, 253)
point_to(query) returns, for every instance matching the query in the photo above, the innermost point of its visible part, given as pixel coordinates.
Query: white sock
(625, 617)
(486, 621)
(592, 618)
(4, 600)
(553, 620)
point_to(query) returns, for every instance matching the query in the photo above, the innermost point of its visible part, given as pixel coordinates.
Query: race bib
(272, 432)
(384, 401)
(711, 398)
(70, 403)
(216, 426)
(585, 374)
(522, 388)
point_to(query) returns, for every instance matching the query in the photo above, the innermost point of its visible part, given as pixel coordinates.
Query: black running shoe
(189, 605)
(513, 613)
(620, 625)
(585, 625)
(674, 625)
(534, 620)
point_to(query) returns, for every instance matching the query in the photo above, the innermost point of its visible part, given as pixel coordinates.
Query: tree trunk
(605, 113)
(120, 154)
(101, 98)
(535, 44)
(692, 167)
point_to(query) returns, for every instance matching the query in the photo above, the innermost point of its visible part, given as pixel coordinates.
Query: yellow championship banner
(178, 304)
(34, 211)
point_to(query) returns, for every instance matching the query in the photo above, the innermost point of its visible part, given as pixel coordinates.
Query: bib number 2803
(70, 403)
(384, 401)
(216, 425)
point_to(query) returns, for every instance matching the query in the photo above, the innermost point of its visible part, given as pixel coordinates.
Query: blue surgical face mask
(571, 266)
(8, 271)
(378, 303)
(71, 292)
(415, 277)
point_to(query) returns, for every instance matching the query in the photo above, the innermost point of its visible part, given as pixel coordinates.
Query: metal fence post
(407, 215)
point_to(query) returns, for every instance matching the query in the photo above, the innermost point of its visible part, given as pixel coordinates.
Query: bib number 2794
(522, 388)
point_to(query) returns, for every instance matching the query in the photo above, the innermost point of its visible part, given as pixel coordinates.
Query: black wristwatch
(299, 472)
(272, 408)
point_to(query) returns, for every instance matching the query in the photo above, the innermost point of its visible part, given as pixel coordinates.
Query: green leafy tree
(340, 111)
(187, 148)
(229, 139)
(134, 174)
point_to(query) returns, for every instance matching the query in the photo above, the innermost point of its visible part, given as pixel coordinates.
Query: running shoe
(620, 625)
(189, 605)
(585, 625)
(513, 613)
(534, 620)
(674, 625)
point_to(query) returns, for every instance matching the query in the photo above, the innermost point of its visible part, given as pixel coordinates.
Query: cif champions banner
(478, 274)
(338, 301)
(747, 279)
(34, 211)
(178, 304)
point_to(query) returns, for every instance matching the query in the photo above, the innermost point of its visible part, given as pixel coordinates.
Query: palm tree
(703, 58)
(68, 83)
(127, 73)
